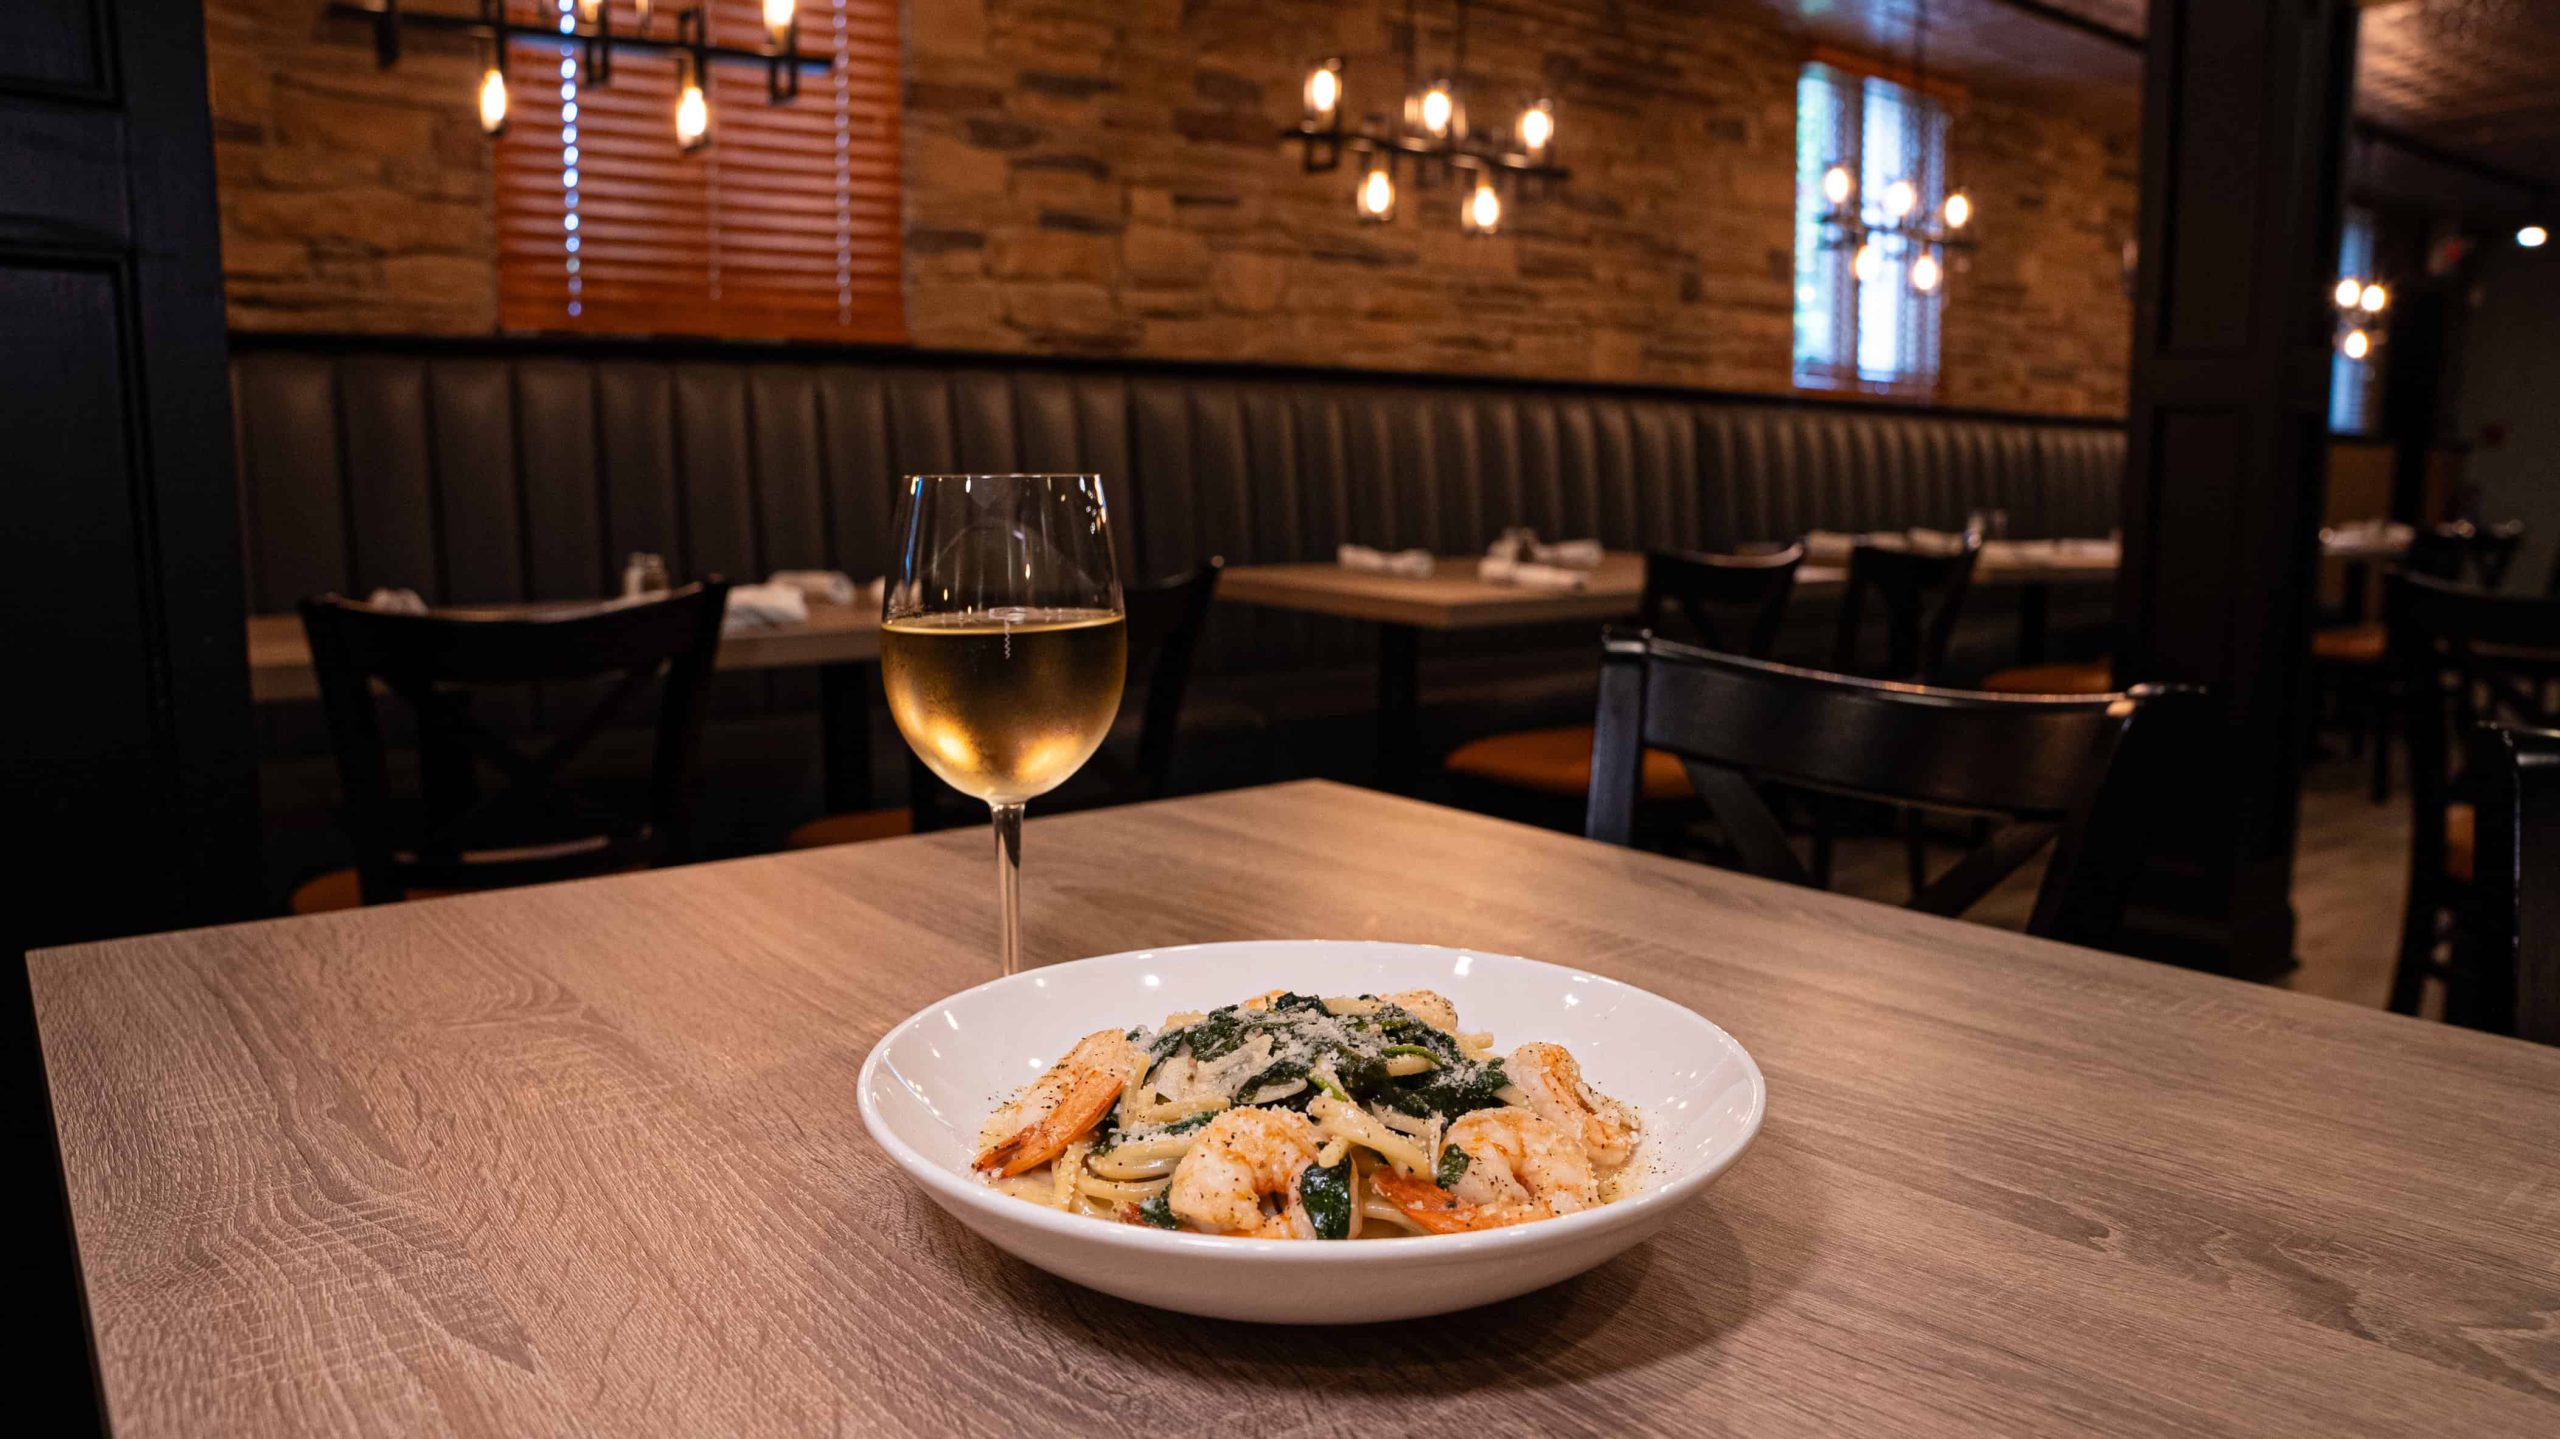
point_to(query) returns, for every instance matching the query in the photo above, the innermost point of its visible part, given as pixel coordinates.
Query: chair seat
(340, 889)
(2352, 645)
(2461, 841)
(852, 828)
(2082, 677)
(1558, 761)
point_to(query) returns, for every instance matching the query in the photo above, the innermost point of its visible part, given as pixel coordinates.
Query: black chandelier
(1430, 138)
(589, 25)
(1900, 223)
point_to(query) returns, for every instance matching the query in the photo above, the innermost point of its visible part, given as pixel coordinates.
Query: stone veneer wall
(1103, 178)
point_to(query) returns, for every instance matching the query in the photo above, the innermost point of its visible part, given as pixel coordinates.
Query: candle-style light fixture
(1429, 139)
(2363, 320)
(1902, 222)
(589, 24)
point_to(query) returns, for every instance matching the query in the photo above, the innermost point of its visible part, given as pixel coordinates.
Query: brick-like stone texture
(1107, 179)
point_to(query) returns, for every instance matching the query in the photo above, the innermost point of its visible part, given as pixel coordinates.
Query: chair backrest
(1165, 621)
(2465, 553)
(1921, 593)
(2056, 768)
(2516, 873)
(2466, 657)
(1734, 603)
(535, 826)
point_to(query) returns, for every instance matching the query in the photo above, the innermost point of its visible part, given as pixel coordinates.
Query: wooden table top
(1452, 598)
(585, 1159)
(280, 654)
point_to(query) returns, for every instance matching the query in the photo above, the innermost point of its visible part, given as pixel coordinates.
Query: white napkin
(835, 587)
(1411, 564)
(1568, 554)
(398, 602)
(1530, 575)
(759, 607)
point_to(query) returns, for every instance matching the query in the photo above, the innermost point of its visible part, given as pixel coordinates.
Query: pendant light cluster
(589, 24)
(1901, 221)
(2361, 322)
(1430, 139)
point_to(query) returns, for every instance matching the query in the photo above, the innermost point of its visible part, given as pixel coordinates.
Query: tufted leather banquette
(506, 470)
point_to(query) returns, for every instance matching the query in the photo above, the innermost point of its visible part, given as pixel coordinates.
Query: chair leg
(1915, 851)
(1821, 850)
(2379, 703)
(2417, 953)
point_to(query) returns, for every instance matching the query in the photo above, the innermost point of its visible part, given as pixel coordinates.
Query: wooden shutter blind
(786, 226)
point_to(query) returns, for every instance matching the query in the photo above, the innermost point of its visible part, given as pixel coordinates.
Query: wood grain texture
(585, 1159)
(280, 654)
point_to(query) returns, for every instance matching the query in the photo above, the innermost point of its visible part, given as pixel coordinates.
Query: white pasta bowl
(932, 1080)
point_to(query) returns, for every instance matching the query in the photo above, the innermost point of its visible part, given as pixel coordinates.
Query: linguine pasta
(1291, 1116)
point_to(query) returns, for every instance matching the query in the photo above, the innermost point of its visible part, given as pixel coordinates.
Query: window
(2353, 378)
(786, 226)
(1874, 332)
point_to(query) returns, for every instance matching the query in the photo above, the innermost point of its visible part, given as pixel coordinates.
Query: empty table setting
(586, 1158)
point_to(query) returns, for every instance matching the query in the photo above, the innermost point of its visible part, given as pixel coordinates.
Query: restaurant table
(1452, 598)
(840, 642)
(585, 1159)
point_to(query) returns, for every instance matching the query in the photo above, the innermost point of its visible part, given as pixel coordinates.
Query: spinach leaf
(1157, 1209)
(1326, 1196)
(1280, 1072)
(1453, 1166)
(1218, 1035)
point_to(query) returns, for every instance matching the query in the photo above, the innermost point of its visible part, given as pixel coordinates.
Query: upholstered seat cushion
(2461, 838)
(2351, 645)
(2082, 677)
(1558, 761)
(852, 828)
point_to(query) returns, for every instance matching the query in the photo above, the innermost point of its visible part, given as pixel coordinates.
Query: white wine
(1005, 704)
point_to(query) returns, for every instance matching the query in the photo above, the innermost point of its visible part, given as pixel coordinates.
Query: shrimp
(1519, 1168)
(1241, 1175)
(1061, 1105)
(1548, 1075)
(1426, 1006)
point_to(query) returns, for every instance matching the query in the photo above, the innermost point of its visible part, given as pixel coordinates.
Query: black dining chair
(539, 821)
(2465, 657)
(1734, 603)
(1921, 593)
(1165, 620)
(2073, 772)
(2516, 877)
(2353, 661)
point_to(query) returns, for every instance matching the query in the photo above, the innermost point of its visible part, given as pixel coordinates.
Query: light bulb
(1900, 197)
(1837, 185)
(1483, 215)
(1925, 273)
(1959, 210)
(587, 10)
(1538, 129)
(2533, 237)
(1324, 92)
(2358, 344)
(1439, 108)
(693, 115)
(1377, 195)
(1868, 263)
(2373, 299)
(493, 101)
(2348, 292)
(777, 18)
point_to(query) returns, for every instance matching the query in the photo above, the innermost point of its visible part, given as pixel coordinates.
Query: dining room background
(1083, 179)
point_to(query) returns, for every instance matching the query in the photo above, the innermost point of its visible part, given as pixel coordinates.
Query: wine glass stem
(1008, 818)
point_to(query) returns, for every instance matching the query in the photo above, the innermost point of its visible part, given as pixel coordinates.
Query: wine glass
(1002, 643)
